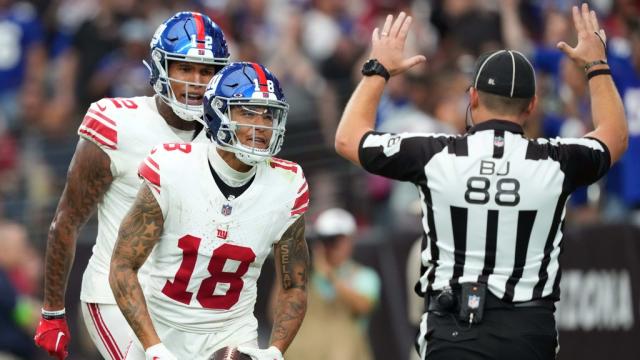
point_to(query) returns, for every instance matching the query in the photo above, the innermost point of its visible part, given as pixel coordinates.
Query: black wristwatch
(373, 67)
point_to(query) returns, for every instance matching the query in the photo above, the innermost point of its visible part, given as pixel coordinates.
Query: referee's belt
(492, 302)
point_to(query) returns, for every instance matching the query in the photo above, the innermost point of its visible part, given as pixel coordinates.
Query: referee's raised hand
(387, 45)
(591, 38)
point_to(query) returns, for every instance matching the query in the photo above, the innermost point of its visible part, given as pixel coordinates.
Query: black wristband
(593, 73)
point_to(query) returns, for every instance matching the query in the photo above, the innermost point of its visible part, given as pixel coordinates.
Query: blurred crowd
(58, 56)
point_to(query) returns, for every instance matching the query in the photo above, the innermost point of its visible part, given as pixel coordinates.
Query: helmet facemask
(162, 87)
(187, 37)
(261, 124)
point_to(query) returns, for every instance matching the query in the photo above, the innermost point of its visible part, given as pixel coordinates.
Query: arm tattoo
(88, 179)
(292, 260)
(139, 232)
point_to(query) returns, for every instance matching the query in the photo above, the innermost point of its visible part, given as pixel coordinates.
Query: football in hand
(229, 353)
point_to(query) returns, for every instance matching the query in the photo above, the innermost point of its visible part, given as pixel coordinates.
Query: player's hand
(159, 352)
(387, 45)
(591, 38)
(53, 336)
(272, 353)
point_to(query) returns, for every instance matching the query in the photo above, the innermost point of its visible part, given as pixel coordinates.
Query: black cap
(505, 73)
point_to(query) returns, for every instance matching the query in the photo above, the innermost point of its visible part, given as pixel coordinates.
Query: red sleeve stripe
(301, 202)
(283, 161)
(153, 163)
(102, 117)
(97, 137)
(149, 173)
(299, 211)
(154, 188)
(98, 126)
(304, 187)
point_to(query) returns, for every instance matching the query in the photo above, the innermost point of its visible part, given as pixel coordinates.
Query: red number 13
(177, 289)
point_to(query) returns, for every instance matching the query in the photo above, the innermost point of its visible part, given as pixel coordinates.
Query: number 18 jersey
(204, 270)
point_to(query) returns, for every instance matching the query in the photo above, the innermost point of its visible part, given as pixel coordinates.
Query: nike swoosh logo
(60, 335)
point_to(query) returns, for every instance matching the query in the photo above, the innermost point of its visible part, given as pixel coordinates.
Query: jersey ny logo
(222, 233)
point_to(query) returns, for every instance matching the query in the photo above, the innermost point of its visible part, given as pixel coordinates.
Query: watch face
(369, 66)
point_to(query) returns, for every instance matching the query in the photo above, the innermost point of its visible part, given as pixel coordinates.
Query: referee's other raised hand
(591, 38)
(387, 45)
(607, 110)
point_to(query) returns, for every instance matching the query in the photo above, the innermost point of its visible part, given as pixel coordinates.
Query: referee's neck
(482, 114)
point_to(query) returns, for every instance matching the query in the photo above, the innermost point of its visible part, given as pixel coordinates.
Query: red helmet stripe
(262, 77)
(199, 30)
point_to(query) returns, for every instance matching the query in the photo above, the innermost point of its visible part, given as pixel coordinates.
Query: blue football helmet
(254, 90)
(186, 36)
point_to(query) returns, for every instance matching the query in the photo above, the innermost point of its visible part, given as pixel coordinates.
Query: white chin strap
(185, 114)
(249, 159)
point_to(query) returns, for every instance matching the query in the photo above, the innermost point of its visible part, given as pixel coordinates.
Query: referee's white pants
(108, 329)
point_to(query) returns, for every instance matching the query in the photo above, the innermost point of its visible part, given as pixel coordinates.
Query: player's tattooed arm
(292, 271)
(88, 179)
(139, 232)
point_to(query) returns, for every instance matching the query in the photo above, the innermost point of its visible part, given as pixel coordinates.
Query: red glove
(53, 336)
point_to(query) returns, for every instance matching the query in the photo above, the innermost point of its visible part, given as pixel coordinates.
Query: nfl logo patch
(498, 141)
(474, 301)
(226, 210)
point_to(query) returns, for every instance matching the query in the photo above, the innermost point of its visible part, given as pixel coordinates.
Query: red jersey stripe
(303, 187)
(301, 200)
(99, 127)
(262, 78)
(102, 116)
(148, 173)
(199, 30)
(153, 162)
(90, 133)
(299, 211)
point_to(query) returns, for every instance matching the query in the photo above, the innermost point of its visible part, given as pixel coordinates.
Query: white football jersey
(126, 129)
(204, 270)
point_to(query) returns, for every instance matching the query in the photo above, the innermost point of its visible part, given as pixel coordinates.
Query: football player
(207, 219)
(115, 135)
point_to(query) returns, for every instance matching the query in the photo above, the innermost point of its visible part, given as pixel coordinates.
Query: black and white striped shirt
(493, 202)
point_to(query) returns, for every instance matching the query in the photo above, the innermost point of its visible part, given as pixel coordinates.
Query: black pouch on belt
(472, 299)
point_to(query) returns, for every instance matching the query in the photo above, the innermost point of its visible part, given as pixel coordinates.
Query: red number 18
(177, 289)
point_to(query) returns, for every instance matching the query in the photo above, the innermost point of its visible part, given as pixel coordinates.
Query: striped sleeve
(149, 172)
(99, 128)
(400, 156)
(583, 160)
(298, 197)
(301, 204)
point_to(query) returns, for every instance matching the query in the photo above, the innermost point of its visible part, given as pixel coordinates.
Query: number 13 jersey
(203, 271)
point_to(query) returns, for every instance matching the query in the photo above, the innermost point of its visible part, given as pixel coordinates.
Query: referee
(493, 201)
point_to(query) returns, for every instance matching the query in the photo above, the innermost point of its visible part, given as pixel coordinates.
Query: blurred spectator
(467, 25)
(22, 58)
(20, 271)
(122, 73)
(342, 295)
(624, 183)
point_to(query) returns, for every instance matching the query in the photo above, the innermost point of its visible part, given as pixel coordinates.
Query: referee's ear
(532, 106)
(474, 99)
